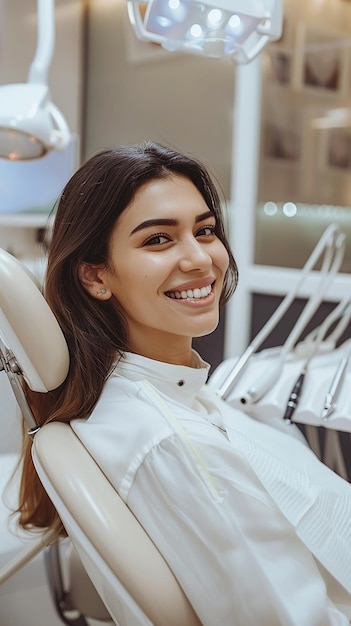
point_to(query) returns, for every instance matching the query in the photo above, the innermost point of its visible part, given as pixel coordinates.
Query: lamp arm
(246, 56)
(61, 134)
(45, 45)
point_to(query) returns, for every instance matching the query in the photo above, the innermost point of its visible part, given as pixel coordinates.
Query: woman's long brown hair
(95, 330)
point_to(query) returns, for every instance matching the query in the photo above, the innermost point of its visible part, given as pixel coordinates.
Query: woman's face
(167, 269)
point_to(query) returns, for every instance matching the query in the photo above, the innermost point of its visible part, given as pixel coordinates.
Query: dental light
(213, 28)
(30, 124)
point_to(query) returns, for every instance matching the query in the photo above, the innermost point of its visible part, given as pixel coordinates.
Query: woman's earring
(103, 290)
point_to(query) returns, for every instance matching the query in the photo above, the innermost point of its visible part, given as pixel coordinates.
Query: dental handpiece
(295, 396)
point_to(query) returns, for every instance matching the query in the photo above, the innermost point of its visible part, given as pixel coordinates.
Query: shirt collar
(179, 382)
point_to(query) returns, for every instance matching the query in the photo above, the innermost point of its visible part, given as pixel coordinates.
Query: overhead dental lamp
(213, 28)
(30, 124)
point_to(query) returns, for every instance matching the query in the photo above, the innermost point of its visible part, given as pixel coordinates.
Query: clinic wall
(113, 89)
(136, 91)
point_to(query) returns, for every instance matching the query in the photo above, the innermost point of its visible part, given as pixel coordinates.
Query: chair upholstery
(132, 578)
(129, 573)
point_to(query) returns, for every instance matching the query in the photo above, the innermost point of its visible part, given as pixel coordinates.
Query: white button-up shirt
(255, 528)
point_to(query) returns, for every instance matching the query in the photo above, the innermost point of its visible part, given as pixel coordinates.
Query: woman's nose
(194, 256)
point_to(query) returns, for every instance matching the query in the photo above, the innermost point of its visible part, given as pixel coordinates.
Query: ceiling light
(214, 28)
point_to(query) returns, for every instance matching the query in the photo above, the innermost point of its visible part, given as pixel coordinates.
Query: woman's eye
(206, 231)
(157, 240)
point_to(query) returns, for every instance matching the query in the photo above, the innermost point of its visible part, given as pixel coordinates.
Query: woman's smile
(197, 293)
(166, 269)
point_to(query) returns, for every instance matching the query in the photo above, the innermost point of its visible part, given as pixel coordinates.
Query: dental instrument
(332, 244)
(331, 396)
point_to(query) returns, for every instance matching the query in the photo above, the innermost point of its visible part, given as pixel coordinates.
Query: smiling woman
(174, 294)
(138, 266)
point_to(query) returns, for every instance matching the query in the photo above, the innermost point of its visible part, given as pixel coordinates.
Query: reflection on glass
(305, 158)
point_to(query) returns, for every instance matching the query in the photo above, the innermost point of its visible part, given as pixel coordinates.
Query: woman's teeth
(193, 294)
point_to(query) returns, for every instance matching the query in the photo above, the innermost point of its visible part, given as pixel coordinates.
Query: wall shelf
(22, 235)
(24, 220)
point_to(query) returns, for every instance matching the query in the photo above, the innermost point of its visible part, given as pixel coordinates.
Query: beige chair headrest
(29, 328)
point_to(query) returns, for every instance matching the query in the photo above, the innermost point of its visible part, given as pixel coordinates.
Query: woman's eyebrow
(168, 222)
(158, 221)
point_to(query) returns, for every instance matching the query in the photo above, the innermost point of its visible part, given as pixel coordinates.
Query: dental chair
(108, 550)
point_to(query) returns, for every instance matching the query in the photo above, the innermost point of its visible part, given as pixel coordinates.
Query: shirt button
(180, 383)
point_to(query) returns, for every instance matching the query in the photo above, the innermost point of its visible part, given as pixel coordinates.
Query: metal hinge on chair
(70, 608)
(61, 598)
(9, 364)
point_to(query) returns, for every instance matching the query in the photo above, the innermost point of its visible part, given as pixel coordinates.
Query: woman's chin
(208, 329)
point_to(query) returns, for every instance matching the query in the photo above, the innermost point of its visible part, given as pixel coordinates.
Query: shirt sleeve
(237, 558)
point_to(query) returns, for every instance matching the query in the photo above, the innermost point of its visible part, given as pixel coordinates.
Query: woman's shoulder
(122, 428)
(125, 400)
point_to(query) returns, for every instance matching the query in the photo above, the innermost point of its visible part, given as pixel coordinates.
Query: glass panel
(305, 160)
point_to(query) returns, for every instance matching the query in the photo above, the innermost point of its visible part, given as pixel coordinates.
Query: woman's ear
(92, 279)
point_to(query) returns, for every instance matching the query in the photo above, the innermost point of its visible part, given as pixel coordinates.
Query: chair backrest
(129, 573)
(132, 578)
(29, 329)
